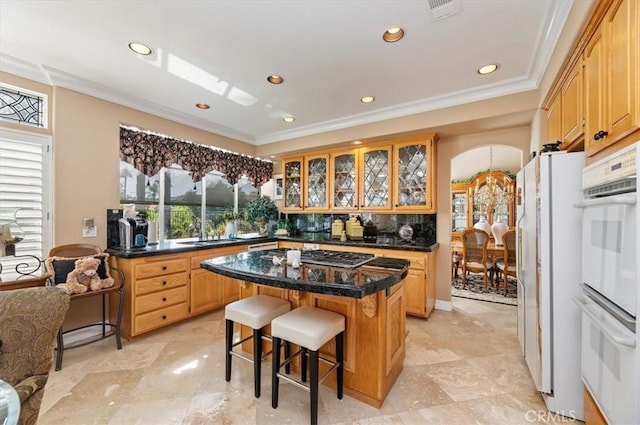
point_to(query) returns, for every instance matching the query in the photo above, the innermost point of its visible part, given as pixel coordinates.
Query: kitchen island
(369, 295)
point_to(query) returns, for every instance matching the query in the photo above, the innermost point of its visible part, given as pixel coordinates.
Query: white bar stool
(255, 312)
(310, 328)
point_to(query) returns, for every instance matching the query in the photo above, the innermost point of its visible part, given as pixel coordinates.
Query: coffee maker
(132, 232)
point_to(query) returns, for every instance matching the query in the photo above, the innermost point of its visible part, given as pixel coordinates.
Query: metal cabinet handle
(164, 299)
(164, 317)
(164, 282)
(164, 267)
(600, 135)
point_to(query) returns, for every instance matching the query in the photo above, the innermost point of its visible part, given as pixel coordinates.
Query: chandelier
(491, 195)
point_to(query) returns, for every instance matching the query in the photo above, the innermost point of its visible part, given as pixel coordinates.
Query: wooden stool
(310, 328)
(255, 312)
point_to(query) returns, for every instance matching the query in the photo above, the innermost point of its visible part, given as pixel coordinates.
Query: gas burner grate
(327, 258)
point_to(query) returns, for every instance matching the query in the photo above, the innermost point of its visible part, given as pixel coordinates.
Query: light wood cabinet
(292, 184)
(375, 178)
(165, 289)
(554, 121)
(572, 111)
(595, 102)
(397, 175)
(343, 182)
(414, 177)
(316, 183)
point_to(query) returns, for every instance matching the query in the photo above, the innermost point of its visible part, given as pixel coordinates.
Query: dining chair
(475, 258)
(507, 264)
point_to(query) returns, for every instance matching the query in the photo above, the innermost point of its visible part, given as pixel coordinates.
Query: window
(24, 207)
(23, 106)
(178, 205)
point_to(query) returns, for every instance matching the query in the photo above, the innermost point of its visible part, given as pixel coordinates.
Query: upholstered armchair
(29, 322)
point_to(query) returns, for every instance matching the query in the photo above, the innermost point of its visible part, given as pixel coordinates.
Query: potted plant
(230, 217)
(260, 211)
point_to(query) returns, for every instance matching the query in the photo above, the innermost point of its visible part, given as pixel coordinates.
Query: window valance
(148, 153)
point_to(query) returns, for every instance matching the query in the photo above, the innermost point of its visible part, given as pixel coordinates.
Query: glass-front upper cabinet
(459, 203)
(375, 178)
(292, 184)
(344, 180)
(316, 183)
(414, 175)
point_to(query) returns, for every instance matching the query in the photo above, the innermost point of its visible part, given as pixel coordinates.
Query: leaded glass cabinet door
(344, 180)
(316, 183)
(414, 176)
(375, 178)
(292, 184)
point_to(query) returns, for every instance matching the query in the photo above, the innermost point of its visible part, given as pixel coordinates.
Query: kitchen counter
(177, 246)
(371, 297)
(376, 275)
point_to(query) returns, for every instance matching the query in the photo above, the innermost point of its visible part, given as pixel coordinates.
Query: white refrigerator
(548, 234)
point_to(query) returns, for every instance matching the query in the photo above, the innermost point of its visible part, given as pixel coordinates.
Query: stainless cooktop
(326, 258)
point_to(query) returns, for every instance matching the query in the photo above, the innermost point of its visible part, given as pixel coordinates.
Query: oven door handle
(607, 200)
(606, 329)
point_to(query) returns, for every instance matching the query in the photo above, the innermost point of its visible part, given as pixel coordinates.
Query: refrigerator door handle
(622, 200)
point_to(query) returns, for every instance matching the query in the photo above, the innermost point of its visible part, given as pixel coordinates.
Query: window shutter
(23, 195)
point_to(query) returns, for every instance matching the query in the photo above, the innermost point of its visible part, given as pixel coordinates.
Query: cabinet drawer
(159, 318)
(161, 267)
(161, 299)
(145, 286)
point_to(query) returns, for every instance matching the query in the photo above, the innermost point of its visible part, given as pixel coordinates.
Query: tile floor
(462, 367)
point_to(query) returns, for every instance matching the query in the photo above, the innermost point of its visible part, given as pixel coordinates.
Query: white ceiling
(331, 53)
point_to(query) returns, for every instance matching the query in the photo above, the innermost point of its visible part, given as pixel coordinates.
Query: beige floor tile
(461, 367)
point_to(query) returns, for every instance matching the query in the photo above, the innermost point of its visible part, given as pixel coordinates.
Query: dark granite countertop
(381, 242)
(376, 275)
(173, 246)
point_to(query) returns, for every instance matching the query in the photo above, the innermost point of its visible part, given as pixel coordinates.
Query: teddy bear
(84, 277)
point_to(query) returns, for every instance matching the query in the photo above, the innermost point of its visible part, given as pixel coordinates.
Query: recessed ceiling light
(393, 34)
(488, 69)
(367, 99)
(288, 118)
(139, 48)
(275, 79)
(357, 142)
(202, 106)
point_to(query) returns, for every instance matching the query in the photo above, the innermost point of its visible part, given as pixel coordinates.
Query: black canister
(370, 232)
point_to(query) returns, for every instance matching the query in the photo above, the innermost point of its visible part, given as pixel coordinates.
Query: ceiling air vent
(441, 9)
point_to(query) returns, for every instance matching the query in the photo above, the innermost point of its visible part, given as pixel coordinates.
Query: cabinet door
(316, 183)
(416, 290)
(206, 291)
(621, 38)
(413, 177)
(230, 289)
(572, 111)
(459, 215)
(292, 184)
(344, 180)
(554, 121)
(375, 178)
(594, 105)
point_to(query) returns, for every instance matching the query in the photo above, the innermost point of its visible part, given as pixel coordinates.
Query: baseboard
(443, 305)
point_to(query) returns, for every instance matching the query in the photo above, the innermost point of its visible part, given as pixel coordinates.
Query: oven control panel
(614, 174)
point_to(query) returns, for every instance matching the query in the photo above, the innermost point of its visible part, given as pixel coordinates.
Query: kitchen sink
(202, 243)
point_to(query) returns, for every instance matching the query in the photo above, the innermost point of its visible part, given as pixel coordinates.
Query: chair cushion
(60, 267)
(308, 327)
(500, 265)
(257, 311)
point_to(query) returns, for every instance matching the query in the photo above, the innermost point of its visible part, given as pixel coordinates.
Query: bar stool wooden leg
(257, 360)
(340, 358)
(228, 346)
(275, 366)
(303, 364)
(313, 385)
